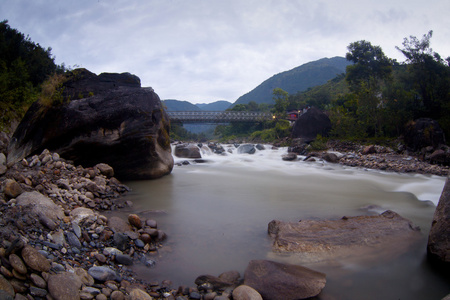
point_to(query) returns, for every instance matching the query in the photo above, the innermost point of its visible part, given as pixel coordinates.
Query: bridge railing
(218, 116)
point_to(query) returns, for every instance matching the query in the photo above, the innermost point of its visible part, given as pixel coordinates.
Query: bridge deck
(218, 116)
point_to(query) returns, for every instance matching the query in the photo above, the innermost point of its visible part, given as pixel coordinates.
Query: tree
(281, 99)
(370, 66)
(430, 74)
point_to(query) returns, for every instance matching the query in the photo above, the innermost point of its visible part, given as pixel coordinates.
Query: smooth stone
(38, 281)
(73, 240)
(81, 213)
(84, 276)
(117, 295)
(102, 273)
(6, 286)
(138, 294)
(34, 259)
(124, 259)
(139, 243)
(37, 292)
(120, 241)
(245, 292)
(12, 189)
(111, 251)
(277, 281)
(64, 286)
(58, 237)
(152, 223)
(17, 263)
(76, 229)
(41, 205)
(118, 225)
(135, 221)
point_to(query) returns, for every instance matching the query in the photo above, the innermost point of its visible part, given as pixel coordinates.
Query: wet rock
(360, 238)
(260, 147)
(12, 188)
(151, 223)
(289, 156)
(245, 292)
(124, 259)
(34, 259)
(330, 157)
(135, 221)
(230, 276)
(278, 281)
(438, 247)
(246, 149)
(102, 273)
(64, 286)
(38, 292)
(187, 151)
(215, 282)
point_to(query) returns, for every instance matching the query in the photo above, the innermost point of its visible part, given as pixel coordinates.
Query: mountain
(177, 105)
(296, 80)
(215, 106)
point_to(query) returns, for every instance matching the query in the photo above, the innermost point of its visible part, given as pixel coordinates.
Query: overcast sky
(208, 50)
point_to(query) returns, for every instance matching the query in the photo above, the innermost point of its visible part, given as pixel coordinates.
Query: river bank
(83, 238)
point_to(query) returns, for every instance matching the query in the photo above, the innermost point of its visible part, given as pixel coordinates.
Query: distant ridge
(297, 80)
(178, 105)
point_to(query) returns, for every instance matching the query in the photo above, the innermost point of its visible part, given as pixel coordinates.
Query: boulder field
(93, 119)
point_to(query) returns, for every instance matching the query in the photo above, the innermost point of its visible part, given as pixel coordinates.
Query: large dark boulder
(438, 248)
(107, 118)
(422, 133)
(278, 281)
(310, 124)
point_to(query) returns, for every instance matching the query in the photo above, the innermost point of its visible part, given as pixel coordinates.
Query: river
(216, 214)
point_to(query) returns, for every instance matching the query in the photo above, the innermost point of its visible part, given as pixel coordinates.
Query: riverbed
(216, 214)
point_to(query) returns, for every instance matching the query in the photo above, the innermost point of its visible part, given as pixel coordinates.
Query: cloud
(202, 51)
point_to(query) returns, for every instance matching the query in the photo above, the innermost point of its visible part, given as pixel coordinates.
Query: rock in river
(439, 238)
(107, 118)
(278, 281)
(358, 239)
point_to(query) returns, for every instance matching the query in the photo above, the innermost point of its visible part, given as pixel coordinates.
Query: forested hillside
(296, 80)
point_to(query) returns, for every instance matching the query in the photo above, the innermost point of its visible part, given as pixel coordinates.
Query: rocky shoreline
(57, 244)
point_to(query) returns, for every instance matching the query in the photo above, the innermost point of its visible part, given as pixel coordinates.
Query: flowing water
(216, 215)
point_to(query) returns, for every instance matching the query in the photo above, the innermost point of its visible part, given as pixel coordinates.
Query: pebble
(124, 259)
(34, 259)
(139, 243)
(17, 263)
(102, 273)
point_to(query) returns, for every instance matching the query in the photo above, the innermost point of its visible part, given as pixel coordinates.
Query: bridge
(218, 116)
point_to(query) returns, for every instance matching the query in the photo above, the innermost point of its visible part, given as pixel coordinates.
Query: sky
(208, 50)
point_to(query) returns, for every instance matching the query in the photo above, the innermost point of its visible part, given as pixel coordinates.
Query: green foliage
(24, 66)
(280, 129)
(320, 143)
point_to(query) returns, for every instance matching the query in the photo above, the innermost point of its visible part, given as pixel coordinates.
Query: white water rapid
(216, 215)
